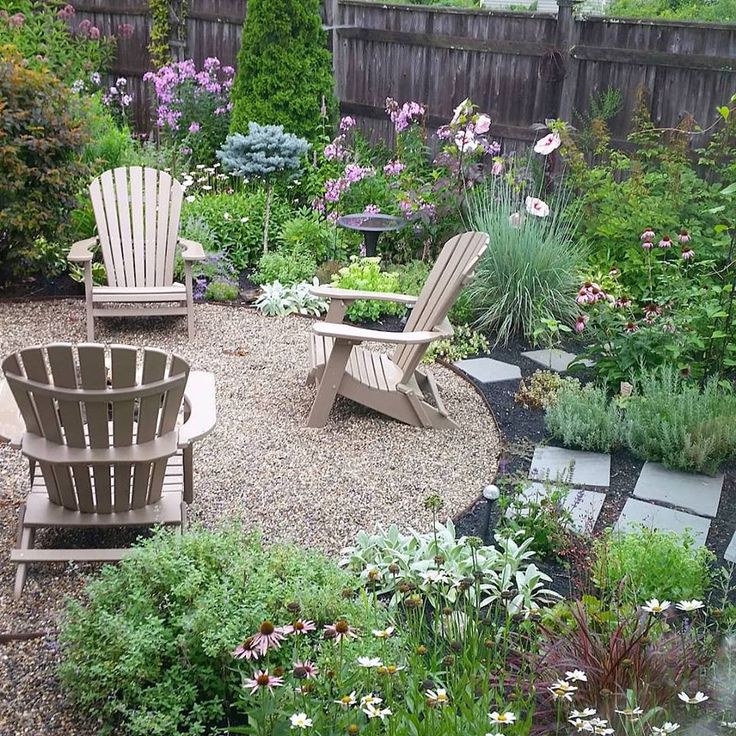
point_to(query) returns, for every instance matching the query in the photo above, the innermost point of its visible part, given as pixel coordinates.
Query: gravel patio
(261, 466)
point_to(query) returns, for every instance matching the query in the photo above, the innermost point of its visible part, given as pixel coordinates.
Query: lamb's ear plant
(266, 153)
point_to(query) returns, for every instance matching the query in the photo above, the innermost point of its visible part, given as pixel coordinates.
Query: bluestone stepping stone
(730, 554)
(589, 468)
(699, 493)
(487, 370)
(636, 513)
(584, 506)
(553, 359)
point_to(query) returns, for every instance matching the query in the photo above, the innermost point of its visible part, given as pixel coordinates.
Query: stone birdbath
(371, 225)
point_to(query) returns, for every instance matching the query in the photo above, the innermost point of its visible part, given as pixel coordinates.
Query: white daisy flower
(699, 697)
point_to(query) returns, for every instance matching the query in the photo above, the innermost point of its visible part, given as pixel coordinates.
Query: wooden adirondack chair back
(101, 430)
(453, 267)
(137, 212)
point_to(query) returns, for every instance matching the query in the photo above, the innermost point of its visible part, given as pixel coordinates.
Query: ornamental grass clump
(680, 424)
(529, 272)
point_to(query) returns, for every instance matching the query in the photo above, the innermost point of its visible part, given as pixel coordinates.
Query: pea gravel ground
(261, 466)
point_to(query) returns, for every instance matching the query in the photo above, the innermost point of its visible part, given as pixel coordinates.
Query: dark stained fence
(519, 67)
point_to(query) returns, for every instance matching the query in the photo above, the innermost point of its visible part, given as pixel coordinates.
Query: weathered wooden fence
(520, 67)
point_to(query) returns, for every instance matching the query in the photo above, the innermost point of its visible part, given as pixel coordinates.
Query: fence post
(566, 37)
(334, 21)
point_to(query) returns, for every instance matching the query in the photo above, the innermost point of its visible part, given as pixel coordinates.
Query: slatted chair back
(101, 423)
(451, 270)
(137, 212)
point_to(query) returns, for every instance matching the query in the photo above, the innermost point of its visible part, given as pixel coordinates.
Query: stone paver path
(698, 493)
(554, 359)
(588, 468)
(487, 370)
(636, 513)
(730, 554)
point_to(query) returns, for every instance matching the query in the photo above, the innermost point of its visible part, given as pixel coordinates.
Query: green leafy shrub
(284, 68)
(540, 390)
(288, 268)
(584, 418)
(649, 563)
(43, 38)
(237, 220)
(109, 146)
(148, 650)
(365, 274)
(42, 138)
(412, 276)
(464, 343)
(314, 234)
(529, 272)
(680, 424)
(222, 291)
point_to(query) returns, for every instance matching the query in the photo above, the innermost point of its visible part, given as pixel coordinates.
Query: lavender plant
(266, 154)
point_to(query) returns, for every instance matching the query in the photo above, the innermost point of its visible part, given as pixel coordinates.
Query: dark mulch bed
(63, 287)
(523, 428)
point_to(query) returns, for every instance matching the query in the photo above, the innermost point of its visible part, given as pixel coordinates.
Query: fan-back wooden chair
(103, 426)
(391, 384)
(137, 213)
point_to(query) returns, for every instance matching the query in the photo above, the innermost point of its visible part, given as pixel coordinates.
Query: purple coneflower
(684, 236)
(580, 322)
(305, 670)
(268, 637)
(340, 630)
(301, 627)
(687, 253)
(666, 242)
(648, 234)
(262, 680)
(631, 327)
(246, 650)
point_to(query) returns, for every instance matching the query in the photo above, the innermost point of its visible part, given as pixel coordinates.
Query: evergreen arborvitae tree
(284, 68)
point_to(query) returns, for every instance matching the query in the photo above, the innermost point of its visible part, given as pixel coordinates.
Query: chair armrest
(80, 252)
(12, 426)
(348, 295)
(341, 331)
(199, 395)
(191, 250)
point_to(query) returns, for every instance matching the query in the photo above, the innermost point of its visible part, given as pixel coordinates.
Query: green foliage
(541, 517)
(237, 220)
(649, 563)
(284, 68)
(680, 424)
(582, 417)
(149, 647)
(109, 146)
(43, 39)
(365, 274)
(222, 291)
(412, 276)
(158, 46)
(464, 343)
(541, 389)
(717, 11)
(309, 232)
(529, 271)
(42, 137)
(288, 268)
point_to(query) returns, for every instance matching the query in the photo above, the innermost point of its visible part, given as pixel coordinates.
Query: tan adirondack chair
(103, 426)
(137, 213)
(391, 384)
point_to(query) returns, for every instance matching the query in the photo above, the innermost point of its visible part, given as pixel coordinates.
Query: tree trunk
(267, 217)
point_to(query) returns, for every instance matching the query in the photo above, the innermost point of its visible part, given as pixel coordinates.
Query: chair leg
(330, 383)
(190, 299)
(25, 540)
(184, 519)
(88, 301)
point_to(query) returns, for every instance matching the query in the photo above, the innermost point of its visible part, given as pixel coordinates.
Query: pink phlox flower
(482, 124)
(94, 33)
(394, 168)
(347, 123)
(194, 127)
(372, 209)
(334, 151)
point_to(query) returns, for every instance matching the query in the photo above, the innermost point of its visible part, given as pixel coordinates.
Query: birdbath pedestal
(371, 225)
